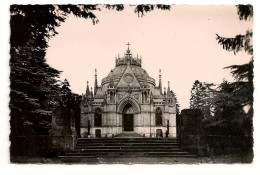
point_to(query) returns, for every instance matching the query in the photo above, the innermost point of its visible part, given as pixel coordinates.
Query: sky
(181, 42)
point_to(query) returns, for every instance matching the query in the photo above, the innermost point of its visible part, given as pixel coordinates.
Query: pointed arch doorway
(128, 118)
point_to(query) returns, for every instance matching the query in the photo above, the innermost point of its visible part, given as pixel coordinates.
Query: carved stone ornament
(136, 96)
(120, 96)
(128, 78)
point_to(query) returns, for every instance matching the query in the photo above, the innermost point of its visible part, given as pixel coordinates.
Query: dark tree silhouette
(201, 97)
(177, 103)
(243, 87)
(142, 9)
(233, 98)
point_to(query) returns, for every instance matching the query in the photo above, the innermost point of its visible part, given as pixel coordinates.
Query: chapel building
(128, 100)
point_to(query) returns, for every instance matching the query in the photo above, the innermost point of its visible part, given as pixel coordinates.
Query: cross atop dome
(128, 52)
(128, 58)
(128, 45)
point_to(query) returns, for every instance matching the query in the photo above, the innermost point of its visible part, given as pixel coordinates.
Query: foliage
(34, 85)
(243, 74)
(118, 7)
(32, 82)
(65, 98)
(238, 43)
(142, 9)
(222, 109)
(245, 12)
(65, 95)
(233, 101)
(177, 103)
(201, 97)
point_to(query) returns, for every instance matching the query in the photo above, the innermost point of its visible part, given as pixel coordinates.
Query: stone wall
(63, 134)
(193, 138)
(191, 120)
(190, 132)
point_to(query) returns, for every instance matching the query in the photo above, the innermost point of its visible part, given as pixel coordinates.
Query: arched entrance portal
(128, 118)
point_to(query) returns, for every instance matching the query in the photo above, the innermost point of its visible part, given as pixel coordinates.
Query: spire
(164, 90)
(168, 90)
(87, 90)
(91, 91)
(160, 81)
(95, 86)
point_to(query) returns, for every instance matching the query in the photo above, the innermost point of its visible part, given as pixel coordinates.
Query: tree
(65, 98)
(177, 103)
(231, 98)
(142, 9)
(196, 95)
(32, 83)
(243, 74)
(65, 95)
(242, 88)
(201, 95)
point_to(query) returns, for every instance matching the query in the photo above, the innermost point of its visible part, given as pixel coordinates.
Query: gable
(128, 78)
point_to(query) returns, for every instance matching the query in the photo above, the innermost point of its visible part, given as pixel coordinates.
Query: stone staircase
(129, 134)
(132, 146)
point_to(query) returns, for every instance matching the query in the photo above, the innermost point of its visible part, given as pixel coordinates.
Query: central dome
(121, 64)
(119, 70)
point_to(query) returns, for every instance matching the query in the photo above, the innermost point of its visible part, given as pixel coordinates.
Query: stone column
(63, 134)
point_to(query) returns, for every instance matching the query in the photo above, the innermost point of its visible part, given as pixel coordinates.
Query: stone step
(129, 134)
(128, 144)
(127, 141)
(124, 147)
(131, 154)
(150, 147)
(122, 138)
(128, 155)
(111, 154)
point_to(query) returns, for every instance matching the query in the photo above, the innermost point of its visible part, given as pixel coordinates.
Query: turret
(87, 90)
(168, 89)
(91, 92)
(160, 81)
(95, 86)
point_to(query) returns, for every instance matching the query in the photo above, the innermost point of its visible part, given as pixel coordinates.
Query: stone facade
(128, 100)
